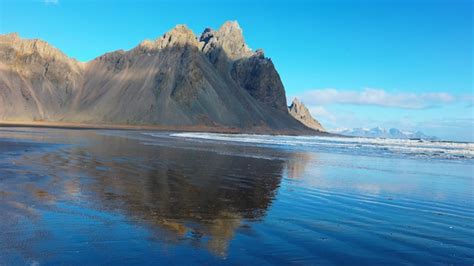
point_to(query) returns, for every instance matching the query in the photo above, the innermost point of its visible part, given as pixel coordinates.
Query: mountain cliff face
(299, 111)
(176, 80)
(37, 81)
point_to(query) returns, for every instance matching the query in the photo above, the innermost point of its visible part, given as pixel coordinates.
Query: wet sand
(121, 197)
(216, 129)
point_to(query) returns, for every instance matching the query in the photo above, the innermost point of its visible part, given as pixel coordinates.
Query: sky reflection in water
(124, 197)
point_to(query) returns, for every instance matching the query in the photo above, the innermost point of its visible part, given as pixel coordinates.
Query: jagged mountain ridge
(175, 80)
(36, 80)
(301, 113)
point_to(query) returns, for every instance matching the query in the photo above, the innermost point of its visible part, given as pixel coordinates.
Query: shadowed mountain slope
(177, 80)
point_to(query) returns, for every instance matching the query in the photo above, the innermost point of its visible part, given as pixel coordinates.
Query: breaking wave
(364, 146)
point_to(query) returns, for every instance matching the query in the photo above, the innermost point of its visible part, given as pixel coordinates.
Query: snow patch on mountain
(378, 132)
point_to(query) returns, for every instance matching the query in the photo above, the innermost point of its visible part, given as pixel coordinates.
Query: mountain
(378, 132)
(37, 81)
(177, 81)
(301, 113)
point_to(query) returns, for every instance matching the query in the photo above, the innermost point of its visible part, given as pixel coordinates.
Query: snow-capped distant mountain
(378, 132)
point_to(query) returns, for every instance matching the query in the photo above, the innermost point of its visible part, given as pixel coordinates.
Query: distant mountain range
(378, 132)
(209, 82)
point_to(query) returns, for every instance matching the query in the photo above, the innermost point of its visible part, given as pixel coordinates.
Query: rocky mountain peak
(231, 25)
(23, 52)
(10, 37)
(232, 40)
(147, 45)
(231, 30)
(228, 39)
(226, 50)
(297, 104)
(29, 46)
(180, 35)
(301, 113)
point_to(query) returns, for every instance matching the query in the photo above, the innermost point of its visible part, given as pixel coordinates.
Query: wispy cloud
(51, 2)
(331, 120)
(319, 111)
(377, 97)
(410, 111)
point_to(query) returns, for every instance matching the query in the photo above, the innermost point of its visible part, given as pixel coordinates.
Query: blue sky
(355, 63)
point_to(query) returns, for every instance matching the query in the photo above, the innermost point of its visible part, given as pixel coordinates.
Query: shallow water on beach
(129, 197)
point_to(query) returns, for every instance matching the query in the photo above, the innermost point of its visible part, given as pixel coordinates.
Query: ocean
(143, 197)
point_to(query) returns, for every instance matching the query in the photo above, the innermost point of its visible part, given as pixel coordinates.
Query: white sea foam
(371, 146)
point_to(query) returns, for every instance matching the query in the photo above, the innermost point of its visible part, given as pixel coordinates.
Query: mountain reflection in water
(92, 197)
(191, 195)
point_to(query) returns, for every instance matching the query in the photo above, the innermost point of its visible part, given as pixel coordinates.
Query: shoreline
(63, 188)
(209, 129)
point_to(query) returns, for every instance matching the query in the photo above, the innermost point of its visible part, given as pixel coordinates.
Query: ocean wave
(367, 146)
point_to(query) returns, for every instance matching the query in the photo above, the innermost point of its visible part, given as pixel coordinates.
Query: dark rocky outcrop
(257, 75)
(301, 113)
(228, 51)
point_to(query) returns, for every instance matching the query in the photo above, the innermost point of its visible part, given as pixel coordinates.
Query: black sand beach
(123, 197)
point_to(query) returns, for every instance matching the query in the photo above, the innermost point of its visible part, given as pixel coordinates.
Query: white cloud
(331, 120)
(319, 111)
(376, 97)
(51, 2)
